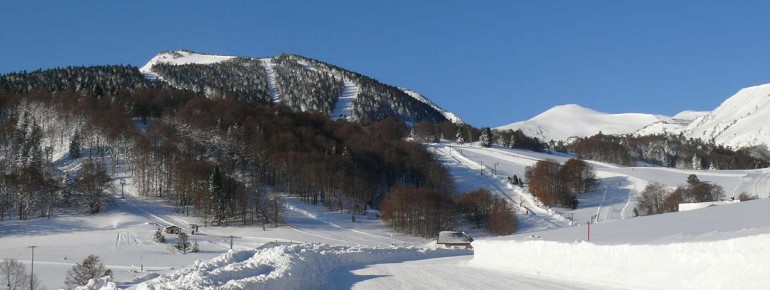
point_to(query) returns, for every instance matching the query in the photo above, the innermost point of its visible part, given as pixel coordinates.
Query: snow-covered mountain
(566, 121)
(741, 120)
(295, 81)
(674, 125)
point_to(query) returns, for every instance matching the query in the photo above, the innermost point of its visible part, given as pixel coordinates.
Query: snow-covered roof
(450, 237)
(700, 205)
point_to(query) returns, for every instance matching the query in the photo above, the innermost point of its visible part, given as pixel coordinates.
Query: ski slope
(271, 80)
(614, 199)
(350, 90)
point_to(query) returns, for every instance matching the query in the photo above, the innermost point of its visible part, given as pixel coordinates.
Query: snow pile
(741, 263)
(452, 117)
(284, 267)
(563, 122)
(104, 283)
(180, 57)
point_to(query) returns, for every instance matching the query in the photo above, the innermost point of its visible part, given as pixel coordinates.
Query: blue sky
(492, 62)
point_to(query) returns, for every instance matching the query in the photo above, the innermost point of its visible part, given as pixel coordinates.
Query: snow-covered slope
(179, 57)
(742, 120)
(447, 114)
(674, 126)
(563, 122)
(721, 247)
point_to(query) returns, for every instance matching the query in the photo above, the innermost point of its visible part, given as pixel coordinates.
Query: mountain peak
(571, 120)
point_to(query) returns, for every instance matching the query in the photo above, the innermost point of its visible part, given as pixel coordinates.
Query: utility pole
(231, 241)
(481, 167)
(32, 274)
(589, 230)
(122, 183)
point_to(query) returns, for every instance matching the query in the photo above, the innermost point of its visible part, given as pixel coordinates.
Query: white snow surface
(566, 121)
(452, 117)
(180, 57)
(722, 247)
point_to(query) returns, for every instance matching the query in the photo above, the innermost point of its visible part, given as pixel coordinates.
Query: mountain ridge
(302, 83)
(738, 122)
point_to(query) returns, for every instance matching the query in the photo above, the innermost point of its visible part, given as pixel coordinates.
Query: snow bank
(305, 266)
(741, 263)
(104, 283)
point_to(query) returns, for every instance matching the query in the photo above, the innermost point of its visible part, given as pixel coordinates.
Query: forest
(229, 160)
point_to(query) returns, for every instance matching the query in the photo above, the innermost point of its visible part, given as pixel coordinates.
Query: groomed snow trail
(271, 81)
(345, 101)
(349, 93)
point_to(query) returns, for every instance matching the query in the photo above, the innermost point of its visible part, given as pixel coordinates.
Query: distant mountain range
(742, 120)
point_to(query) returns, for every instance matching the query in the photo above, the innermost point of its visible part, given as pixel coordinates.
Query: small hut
(174, 230)
(450, 239)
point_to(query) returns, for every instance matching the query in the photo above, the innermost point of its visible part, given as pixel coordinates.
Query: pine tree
(74, 151)
(459, 136)
(486, 137)
(195, 248)
(159, 237)
(183, 244)
(218, 197)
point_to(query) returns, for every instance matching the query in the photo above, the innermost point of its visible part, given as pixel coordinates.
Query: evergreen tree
(195, 248)
(74, 151)
(159, 237)
(218, 197)
(692, 179)
(459, 136)
(486, 137)
(183, 244)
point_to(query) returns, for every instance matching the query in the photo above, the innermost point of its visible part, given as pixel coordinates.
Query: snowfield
(722, 247)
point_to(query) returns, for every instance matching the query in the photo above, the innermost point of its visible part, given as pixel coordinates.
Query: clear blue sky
(492, 62)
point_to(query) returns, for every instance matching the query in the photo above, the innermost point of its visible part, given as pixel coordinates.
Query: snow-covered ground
(723, 247)
(367, 255)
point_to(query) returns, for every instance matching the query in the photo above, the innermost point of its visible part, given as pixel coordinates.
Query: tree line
(554, 184)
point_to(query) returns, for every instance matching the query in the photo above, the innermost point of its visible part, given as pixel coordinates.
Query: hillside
(301, 83)
(566, 121)
(740, 121)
